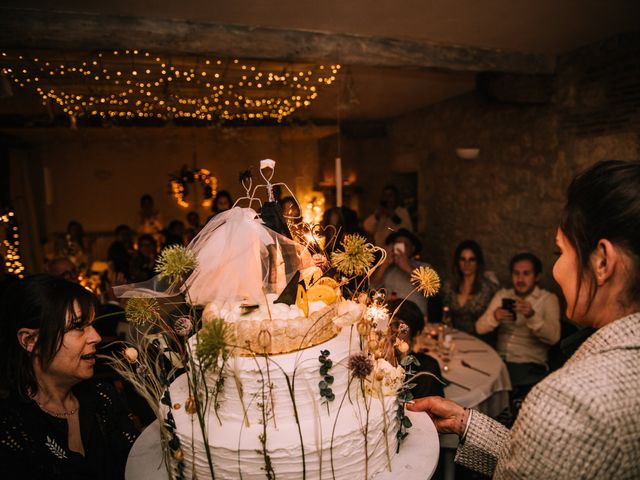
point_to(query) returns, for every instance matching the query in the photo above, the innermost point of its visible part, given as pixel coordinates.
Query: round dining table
(416, 460)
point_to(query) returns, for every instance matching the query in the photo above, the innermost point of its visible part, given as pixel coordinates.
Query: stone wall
(509, 198)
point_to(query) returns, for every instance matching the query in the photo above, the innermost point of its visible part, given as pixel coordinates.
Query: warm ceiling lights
(134, 84)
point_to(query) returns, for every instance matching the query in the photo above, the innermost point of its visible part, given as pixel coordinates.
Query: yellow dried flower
(426, 280)
(175, 262)
(356, 257)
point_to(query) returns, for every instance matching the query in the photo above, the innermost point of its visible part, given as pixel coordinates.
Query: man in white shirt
(528, 322)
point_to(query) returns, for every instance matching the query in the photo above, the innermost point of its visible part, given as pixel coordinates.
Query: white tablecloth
(487, 393)
(417, 459)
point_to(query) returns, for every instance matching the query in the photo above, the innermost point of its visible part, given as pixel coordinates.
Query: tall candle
(338, 182)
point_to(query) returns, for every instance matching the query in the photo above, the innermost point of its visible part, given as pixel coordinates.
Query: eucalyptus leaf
(407, 360)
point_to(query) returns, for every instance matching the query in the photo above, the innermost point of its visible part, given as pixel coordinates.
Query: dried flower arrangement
(177, 338)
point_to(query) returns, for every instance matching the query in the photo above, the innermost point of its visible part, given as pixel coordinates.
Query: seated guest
(55, 421)
(121, 250)
(394, 274)
(64, 268)
(174, 234)
(410, 316)
(193, 221)
(389, 216)
(528, 328)
(143, 261)
(193, 226)
(581, 421)
(470, 290)
(150, 219)
(342, 220)
(78, 247)
(221, 202)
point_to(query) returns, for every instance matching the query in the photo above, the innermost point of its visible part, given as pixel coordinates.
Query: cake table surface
(417, 459)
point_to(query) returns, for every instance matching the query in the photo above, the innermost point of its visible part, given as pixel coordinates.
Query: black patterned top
(33, 444)
(464, 316)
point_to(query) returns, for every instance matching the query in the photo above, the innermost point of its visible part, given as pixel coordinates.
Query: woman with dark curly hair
(469, 291)
(55, 421)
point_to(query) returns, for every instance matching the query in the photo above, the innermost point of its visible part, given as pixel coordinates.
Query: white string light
(135, 84)
(11, 242)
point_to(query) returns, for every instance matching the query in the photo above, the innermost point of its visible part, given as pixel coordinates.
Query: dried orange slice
(302, 301)
(322, 292)
(329, 282)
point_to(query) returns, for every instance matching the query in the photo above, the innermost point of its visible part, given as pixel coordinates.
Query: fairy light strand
(135, 84)
(11, 242)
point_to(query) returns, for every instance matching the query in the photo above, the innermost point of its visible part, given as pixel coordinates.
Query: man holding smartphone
(394, 274)
(527, 319)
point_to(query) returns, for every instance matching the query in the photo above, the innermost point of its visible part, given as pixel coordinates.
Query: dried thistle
(183, 326)
(213, 341)
(175, 262)
(426, 280)
(141, 310)
(356, 258)
(360, 365)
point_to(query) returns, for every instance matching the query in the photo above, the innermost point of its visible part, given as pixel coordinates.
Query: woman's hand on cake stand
(447, 416)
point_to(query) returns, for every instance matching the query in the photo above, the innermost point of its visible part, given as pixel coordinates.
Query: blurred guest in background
(389, 217)
(394, 275)
(470, 289)
(121, 250)
(77, 246)
(150, 221)
(143, 261)
(193, 225)
(174, 234)
(343, 220)
(64, 268)
(221, 202)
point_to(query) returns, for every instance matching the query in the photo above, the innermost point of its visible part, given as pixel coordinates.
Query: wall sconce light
(468, 153)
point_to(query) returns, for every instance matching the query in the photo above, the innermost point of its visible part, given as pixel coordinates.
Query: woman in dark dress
(469, 291)
(55, 421)
(410, 322)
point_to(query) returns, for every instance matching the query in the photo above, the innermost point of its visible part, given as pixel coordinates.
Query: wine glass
(447, 348)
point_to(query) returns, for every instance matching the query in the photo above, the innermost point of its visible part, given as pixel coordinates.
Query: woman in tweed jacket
(582, 421)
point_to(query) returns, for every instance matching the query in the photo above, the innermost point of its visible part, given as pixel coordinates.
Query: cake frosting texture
(270, 411)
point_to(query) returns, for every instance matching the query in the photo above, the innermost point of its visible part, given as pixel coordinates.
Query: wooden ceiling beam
(69, 30)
